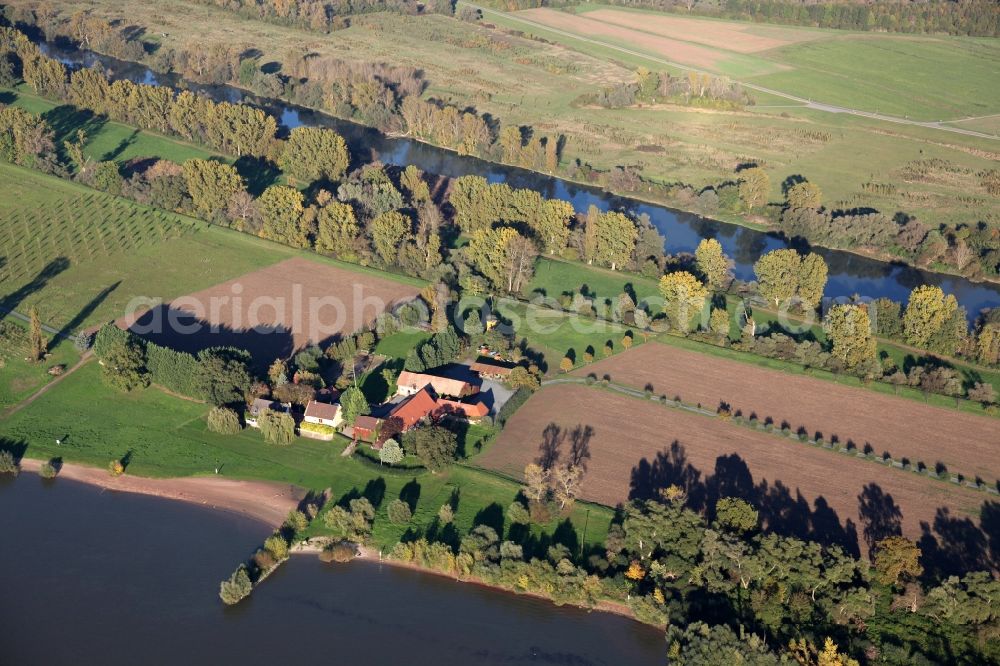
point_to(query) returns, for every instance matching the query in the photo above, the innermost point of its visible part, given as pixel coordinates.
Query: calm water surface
(95, 577)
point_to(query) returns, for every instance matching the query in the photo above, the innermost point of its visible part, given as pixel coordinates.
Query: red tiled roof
(418, 406)
(470, 410)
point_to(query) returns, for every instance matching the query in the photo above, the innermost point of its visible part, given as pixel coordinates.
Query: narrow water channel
(850, 274)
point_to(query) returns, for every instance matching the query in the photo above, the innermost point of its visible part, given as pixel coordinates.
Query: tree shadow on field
(550, 449)
(84, 312)
(410, 493)
(121, 147)
(955, 545)
(491, 516)
(182, 331)
(11, 301)
(780, 511)
(65, 120)
(881, 517)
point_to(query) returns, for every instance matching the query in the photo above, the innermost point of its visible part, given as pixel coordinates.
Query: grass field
(106, 140)
(19, 377)
(98, 252)
(927, 78)
(553, 334)
(164, 436)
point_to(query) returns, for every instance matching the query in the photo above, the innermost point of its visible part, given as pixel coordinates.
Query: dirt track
(966, 443)
(800, 489)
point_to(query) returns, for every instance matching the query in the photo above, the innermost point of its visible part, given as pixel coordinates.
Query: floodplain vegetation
(713, 559)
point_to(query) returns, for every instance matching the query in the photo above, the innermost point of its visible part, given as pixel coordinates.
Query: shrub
(446, 514)
(47, 470)
(317, 429)
(342, 551)
(296, 522)
(224, 421)
(237, 588)
(517, 514)
(8, 464)
(277, 546)
(399, 512)
(116, 468)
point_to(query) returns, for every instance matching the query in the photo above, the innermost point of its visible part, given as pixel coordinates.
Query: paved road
(806, 103)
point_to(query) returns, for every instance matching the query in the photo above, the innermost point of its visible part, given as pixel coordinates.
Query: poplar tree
(36, 341)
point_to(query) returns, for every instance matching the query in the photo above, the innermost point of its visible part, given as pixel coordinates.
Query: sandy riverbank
(261, 500)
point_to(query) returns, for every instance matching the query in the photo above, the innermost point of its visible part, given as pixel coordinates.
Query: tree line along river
(849, 273)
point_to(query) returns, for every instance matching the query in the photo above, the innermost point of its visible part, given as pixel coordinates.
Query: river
(92, 576)
(849, 273)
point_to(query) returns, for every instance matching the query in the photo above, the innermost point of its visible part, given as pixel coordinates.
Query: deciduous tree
(685, 297)
(36, 341)
(312, 153)
(712, 263)
(353, 404)
(436, 446)
(804, 195)
(212, 185)
(897, 559)
(926, 313)
(388, 231)
(850, 332)
(754, 187)
(281, 209)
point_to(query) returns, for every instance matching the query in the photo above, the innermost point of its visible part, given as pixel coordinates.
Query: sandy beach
(262, 500)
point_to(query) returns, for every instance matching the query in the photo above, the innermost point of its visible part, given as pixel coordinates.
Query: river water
(849, 275)
(91, 576)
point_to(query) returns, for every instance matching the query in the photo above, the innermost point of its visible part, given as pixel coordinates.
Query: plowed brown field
(966, 443)
(739, 37)
(274, 311)
(636, 448)
(674, 49)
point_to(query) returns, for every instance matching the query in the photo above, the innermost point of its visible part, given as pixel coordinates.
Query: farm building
(414, 409)
(322, 413)
(366, 428)
(473, 412)
(409, 383)
(491, 368)
(258, 406)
